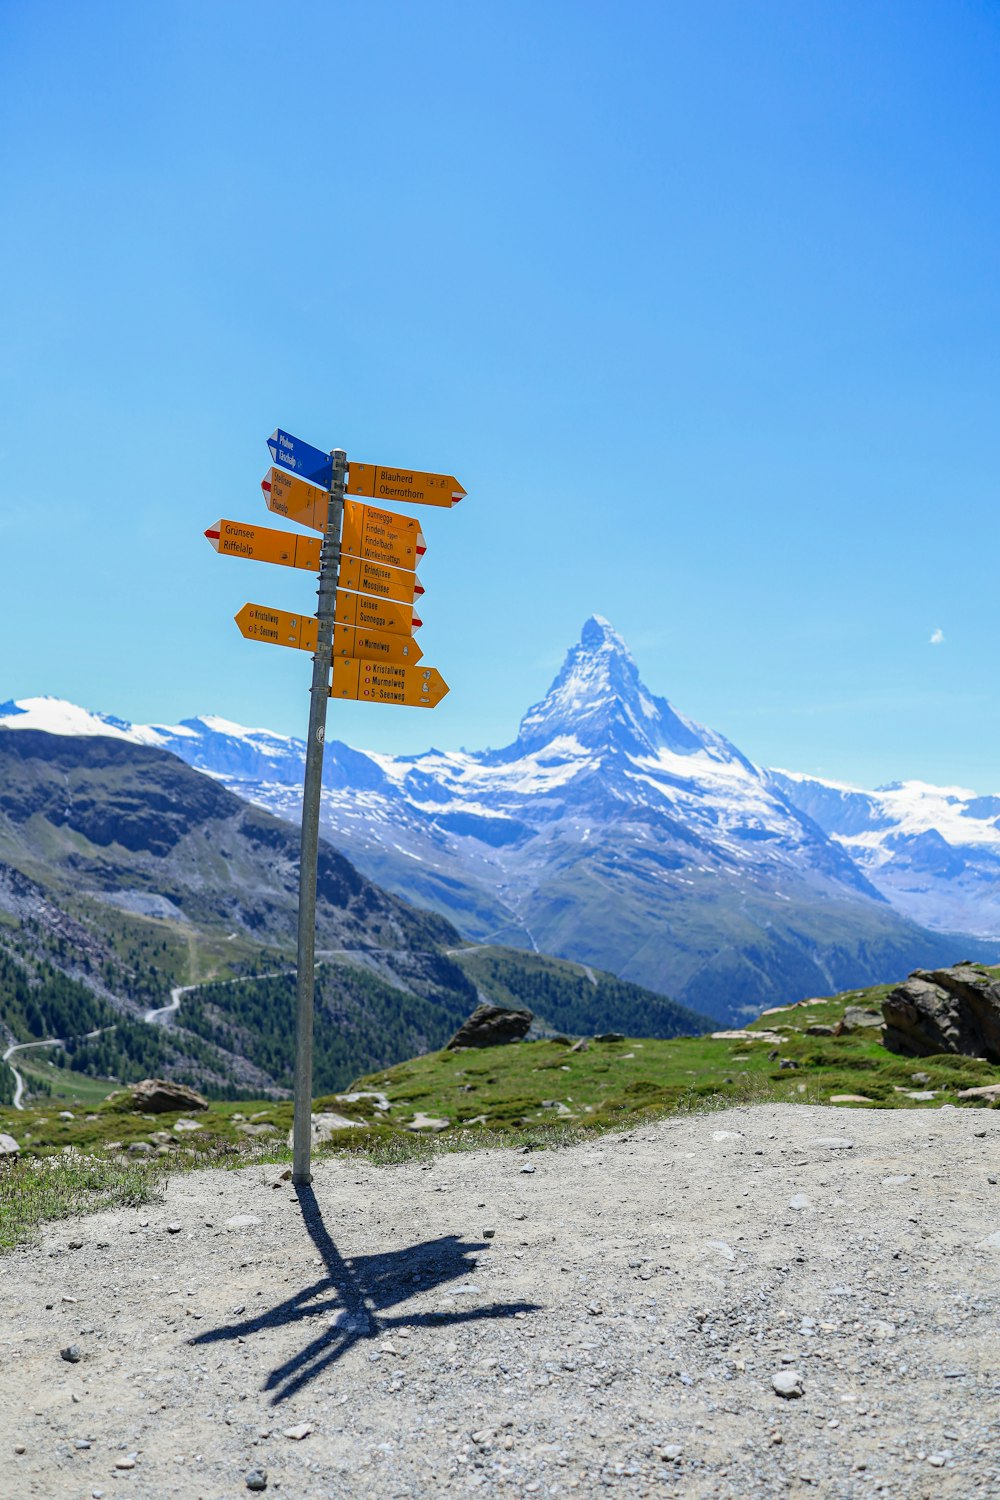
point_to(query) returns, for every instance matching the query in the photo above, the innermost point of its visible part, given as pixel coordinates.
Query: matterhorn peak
(600, 702)
(599, 634)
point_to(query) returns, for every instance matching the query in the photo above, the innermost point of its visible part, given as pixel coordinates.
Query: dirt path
(619, 1334)
(18, 1075)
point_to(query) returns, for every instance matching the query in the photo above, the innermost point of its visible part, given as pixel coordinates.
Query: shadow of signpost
(353, 1296)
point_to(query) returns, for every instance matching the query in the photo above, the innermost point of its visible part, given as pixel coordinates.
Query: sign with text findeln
(302, 458)
(377, 536)
(380, 682)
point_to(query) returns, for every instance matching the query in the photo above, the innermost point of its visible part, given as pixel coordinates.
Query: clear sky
(700, 301)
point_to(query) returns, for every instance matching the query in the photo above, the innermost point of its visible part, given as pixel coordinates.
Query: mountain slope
(124, 873)
(614, 831)
(933, 852)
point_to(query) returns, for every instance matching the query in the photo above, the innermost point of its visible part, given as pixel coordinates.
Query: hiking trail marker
(361, 637)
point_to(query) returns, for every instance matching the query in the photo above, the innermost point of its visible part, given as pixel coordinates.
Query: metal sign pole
(328, 574)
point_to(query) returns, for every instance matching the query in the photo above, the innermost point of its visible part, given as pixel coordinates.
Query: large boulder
(944, 1010)
(155, 1096)
(8, 1147)
(492, 1026)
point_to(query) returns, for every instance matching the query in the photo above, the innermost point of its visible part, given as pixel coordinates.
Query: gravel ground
(621, 1332)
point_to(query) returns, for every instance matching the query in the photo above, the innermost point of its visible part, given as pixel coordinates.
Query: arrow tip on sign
(457, 493)
(265, 484)
(212, 532)
(417, 622)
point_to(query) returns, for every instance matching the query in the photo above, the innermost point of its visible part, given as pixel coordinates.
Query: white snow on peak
(57, 716)
(219, 725)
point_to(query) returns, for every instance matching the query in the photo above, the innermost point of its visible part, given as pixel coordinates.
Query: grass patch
(38, 1189)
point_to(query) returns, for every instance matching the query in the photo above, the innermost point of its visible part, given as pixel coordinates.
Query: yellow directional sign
(279, 627)
(411, 486)
(382, 536)
(295, 499)
(259, 623)
(375, 614)
(374, 578)
(375, 645)
(235, 539)
(380, 682)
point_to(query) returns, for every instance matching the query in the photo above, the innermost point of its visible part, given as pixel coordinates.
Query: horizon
(712, 346)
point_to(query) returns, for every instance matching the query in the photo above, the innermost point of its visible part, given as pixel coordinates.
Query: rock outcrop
(155, 1096)
(492, 1026)
(945, 1010)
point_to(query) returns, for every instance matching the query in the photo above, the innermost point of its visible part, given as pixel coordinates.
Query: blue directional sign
(302, 458)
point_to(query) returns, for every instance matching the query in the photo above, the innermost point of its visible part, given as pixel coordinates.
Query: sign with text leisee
(386, 615)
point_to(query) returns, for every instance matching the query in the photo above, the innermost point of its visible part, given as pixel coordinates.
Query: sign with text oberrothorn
(381, 682)
(295, 499)
(375, 614)
(302, 458)
(236, 539)
(410, 486)
(374, 578)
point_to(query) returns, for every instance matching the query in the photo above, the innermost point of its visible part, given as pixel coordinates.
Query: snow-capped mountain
(932, 851)
(613, 830)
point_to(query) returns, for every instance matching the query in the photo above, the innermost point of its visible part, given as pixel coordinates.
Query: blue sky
(699, 301)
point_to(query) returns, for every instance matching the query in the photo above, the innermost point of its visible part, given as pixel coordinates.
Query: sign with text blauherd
(302, 458)
(409, 486)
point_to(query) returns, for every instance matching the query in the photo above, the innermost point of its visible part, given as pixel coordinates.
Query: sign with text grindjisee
(409, 486)
(374, 578)
(236, 539)
(381, 682)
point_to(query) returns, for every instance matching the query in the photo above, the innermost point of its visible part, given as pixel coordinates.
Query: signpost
(361, 637)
